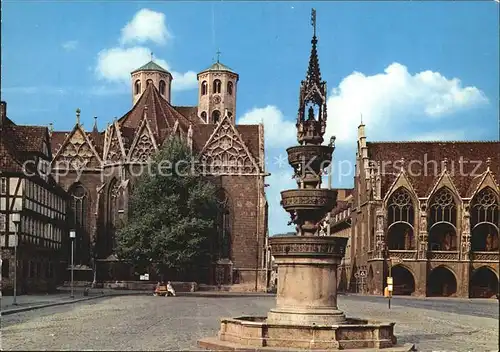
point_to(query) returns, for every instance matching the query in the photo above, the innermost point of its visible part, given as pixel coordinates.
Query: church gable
(114, 146)
(144, 144)
(78, 152)
(226, 153)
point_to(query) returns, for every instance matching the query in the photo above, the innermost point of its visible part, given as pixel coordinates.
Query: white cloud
(116, 64)
(146, 25)
(278, 132)
(278, 217)
(70, 45)
(387, 98)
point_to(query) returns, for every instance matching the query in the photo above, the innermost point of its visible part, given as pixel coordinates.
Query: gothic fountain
(306, 316)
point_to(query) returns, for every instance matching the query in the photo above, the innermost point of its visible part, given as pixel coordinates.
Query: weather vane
(313, 20)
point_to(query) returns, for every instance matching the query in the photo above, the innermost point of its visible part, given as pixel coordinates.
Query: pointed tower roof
(219, 67)
(151, 66)
(161, 115)
(311, 128)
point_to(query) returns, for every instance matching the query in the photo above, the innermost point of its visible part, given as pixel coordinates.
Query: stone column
(307, 280)
(465, 240)
(423, 235)
(379, 234)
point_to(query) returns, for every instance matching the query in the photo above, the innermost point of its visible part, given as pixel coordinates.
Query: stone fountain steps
(214, 344)
(257, 334)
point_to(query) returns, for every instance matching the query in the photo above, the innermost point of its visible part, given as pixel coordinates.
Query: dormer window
(230, 88)
(162, 87)
(204, 88)
(217, 86)
(137, 87)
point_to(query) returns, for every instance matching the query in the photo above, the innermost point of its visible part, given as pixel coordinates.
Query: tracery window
(223, 225)
(400, 220)
(484, 219)
(443, 221)
(79, 208)
(114, 203)
(217, 86)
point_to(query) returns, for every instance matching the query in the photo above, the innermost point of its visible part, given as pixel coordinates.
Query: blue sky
(415, 70)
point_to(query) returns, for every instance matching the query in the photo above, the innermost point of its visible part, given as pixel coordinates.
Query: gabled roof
(160, 114)
(419, 154)
(151, 66)
(219, 67)
(19, 144)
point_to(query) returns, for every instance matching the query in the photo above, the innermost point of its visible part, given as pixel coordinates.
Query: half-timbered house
(27, 188)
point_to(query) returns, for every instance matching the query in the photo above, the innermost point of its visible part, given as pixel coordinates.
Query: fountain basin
(316, 157)
(255, 333)
(309, 199)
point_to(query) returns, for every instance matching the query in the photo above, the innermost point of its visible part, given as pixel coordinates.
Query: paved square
(155, 323)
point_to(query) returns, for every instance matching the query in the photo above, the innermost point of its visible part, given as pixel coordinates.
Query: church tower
(217, 93)
(151, 73)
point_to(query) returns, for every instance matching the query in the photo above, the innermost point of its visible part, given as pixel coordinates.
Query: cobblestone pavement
(156, 323)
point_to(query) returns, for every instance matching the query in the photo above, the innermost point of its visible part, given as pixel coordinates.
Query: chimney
(3, 113)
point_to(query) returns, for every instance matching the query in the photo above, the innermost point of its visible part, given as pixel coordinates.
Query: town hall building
(108, 161)
(425, 213)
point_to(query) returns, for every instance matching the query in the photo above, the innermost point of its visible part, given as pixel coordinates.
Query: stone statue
(489, 242)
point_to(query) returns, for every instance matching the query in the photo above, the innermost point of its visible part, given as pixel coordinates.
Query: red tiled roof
(160, 114)
(191, 112)
(419, 154)
(18, 144)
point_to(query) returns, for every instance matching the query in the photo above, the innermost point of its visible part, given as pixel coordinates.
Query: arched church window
(148, 82)
(400, 218)
(442, 221)
(204, 116)
(137, 87)
(162, 87)
(204, 88)
(217, 86)
(230, 88)
(215, 116)
(114, 202)
(484, 221)
(79, 214)
(223, 225)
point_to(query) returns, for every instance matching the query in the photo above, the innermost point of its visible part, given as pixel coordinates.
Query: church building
(99, 169)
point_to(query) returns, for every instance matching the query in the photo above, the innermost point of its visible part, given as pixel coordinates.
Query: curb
(206, 294)
(53, 304)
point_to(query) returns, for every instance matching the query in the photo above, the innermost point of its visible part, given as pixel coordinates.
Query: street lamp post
(72, 236)
(16, 219)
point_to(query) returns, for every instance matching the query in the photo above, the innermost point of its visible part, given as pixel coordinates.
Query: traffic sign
(389, 280)
(389, 287)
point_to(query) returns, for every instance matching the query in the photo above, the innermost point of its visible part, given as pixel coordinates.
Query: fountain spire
(311, 120)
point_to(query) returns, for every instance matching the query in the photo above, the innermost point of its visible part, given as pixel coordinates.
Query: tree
(172, 214)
